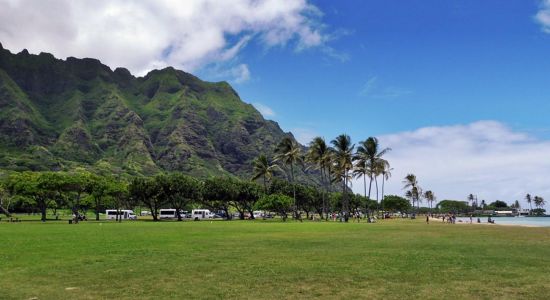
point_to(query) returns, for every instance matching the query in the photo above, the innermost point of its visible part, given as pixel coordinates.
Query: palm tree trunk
(365, 188)
(323, 192)
(382, 200)
(376, 186)
(370, 185)
(293, 191)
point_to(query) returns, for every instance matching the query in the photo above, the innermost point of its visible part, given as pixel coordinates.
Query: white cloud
(373, 89)
(543, 15)
(485, 158)
(142, 35)
(265, 110)
(304, 135)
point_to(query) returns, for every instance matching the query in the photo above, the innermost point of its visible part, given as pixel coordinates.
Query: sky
(460, 90)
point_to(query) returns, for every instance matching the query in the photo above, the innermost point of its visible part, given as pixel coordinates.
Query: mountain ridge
(59, 114)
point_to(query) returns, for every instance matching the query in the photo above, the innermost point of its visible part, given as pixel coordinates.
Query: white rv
(201, 214)
(167, 213)
(258, 214)
(124, 214)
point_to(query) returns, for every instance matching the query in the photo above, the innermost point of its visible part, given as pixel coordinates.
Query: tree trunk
(293, 191)
(370, 185)
(345, 204)
(382, 200)
(43, 207)
(5, 211)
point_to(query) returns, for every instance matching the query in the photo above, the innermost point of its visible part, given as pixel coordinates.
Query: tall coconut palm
(288, 152)
(369, 151)
(539, 202)
(386, 174)
(319, 155)
(430, 197)
(411, 182)
(377, 170)
(360, 170)
(471, 199)
(343, 155)
(263, 168)
(529, 200)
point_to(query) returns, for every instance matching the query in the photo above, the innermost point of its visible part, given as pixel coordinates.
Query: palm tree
(369, 152)
(411, 182)
(264, 169)
(343, 155)
(539, 202)
(471, 199)
(529, 200)
(289, 153)
(386, 174)
(430, 197)
(319, 155)
(361, 170)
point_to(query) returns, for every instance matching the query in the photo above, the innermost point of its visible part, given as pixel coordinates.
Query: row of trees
(336, 163)
(81, 191)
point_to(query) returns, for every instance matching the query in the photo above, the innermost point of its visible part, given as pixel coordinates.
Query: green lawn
(271, 259)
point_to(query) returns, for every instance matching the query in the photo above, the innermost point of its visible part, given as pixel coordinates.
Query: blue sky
(458, 89)
(428, 63)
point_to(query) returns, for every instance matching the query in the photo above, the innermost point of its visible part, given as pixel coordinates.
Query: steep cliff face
(59, 114)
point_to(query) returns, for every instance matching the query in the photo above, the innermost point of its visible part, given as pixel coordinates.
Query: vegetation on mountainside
(62, 114)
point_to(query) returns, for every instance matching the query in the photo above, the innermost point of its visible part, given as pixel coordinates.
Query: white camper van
(167, 213)
(201, 214)
(124, 214)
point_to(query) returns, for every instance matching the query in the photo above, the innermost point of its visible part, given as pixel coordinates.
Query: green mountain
(61, 114)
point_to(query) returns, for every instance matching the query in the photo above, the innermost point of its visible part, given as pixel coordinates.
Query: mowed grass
(271, 259)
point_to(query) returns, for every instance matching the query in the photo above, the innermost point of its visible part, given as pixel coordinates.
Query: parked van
(200, 214)
(167, 213)
(124, 214)
(258, 214)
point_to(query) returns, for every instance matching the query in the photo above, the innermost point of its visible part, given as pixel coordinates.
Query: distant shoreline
(485, 223)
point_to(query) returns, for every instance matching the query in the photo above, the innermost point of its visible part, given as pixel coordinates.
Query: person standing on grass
(427, 219)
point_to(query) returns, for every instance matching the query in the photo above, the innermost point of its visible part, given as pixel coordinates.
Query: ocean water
(531, 221)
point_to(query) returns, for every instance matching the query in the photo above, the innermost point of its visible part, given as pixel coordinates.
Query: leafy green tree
(4, 200)
(263, 168)
(72, 186)
(289, 153)
(306, 197)
(498, 204)
(395, 203)
(453, 206)
(97, 188)
(145, 191)
(35, 187)
(278, 203)
(248, 193)
(119, 191)
(219, 194)
(180, 191)
(343, 154)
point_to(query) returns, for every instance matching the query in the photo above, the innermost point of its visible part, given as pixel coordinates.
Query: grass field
(271, 259)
